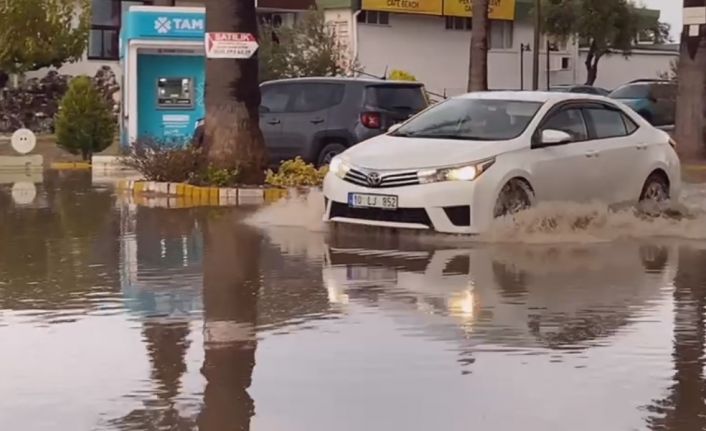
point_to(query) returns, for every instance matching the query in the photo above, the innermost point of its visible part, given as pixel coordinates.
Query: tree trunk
(689, 126)
(478, 67)
(232, 132)
(231, 282)
(592, 59)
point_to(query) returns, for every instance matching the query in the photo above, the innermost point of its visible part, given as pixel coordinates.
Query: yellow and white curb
(180, 195)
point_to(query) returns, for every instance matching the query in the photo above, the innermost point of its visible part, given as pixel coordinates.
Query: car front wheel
(514, 197)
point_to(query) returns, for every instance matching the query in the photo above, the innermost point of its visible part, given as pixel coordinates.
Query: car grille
(397, 179)
(400, 215)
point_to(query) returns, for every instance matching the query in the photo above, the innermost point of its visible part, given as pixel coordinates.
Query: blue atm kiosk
(162, 59)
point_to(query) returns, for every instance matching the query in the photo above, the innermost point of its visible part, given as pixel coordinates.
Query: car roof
(531, 96)
(342, 79)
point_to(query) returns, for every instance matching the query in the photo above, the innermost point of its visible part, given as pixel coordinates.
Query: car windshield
(474, 119)
(633, 91)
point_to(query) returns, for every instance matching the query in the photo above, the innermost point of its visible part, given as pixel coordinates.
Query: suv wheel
(328, 152)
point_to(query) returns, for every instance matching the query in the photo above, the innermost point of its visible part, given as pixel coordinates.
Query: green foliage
(296, 173)
(309, 48)
(603, 26)
(401, 75)
(160, 160)
(42, 33)
(221, 177)
(84, 124)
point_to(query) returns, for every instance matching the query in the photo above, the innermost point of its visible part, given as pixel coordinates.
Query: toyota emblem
(374, 179)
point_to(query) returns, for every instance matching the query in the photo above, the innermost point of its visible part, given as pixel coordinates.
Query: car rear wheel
(656, 189)
(514, 197)
(328, 152)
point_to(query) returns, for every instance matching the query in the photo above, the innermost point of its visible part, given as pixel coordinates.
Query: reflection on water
(116, 317)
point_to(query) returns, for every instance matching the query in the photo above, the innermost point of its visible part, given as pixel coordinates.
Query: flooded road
(118, 317)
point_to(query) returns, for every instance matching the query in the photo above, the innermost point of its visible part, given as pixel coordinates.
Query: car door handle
(273, 122)
(317, 121)
(641, 146)
(592, 153)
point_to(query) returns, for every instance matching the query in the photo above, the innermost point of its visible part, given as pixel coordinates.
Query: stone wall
(35, 103)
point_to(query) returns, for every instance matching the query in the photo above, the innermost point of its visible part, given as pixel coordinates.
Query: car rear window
(632, 91)
(407, 98)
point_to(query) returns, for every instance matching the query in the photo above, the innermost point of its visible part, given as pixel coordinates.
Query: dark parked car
(654, 99)
(318, 118)
(585, 89)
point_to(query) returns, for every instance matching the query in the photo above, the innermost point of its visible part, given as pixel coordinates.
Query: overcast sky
(671, 13)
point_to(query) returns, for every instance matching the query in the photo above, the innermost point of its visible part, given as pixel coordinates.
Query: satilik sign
(230, 45)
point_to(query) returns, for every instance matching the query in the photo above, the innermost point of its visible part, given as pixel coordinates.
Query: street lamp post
(535, 53)
(524, 47)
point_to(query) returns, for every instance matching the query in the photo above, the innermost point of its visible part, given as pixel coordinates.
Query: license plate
(364, 200)
(367, 273)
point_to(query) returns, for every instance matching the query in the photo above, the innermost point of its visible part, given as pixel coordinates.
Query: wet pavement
(117, 317)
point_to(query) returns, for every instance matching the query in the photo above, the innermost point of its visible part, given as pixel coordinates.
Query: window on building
(458, 23)
(374, 17)
(500, 34)
(106, 17)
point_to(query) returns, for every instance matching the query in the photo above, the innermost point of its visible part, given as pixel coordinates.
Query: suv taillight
(371, 120)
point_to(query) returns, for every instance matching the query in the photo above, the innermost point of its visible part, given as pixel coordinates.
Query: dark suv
(317, 118)
(654, 99)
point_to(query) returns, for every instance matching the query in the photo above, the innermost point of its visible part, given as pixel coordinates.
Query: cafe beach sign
(499, 9)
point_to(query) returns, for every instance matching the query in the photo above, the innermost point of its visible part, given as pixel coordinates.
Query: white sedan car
(463, 162)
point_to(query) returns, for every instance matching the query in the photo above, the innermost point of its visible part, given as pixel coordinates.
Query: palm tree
(232, 133)
(478, 68)
(231, 285)
(690, 97)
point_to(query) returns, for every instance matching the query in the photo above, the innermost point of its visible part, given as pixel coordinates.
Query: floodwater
(117, 317)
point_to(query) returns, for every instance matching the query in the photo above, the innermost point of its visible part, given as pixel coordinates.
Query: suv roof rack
(635, 81)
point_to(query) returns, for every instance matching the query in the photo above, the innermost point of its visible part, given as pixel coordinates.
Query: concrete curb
(180, 195)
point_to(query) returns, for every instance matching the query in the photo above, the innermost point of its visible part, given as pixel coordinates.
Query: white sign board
(23, 141)
(694, 15)
(230, 45)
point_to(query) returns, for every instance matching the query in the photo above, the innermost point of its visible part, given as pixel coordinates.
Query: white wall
(421, 45)
(615, 69)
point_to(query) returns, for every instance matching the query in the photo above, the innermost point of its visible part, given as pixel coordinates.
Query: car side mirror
(264, 109)
(394, 127)
(554, 137)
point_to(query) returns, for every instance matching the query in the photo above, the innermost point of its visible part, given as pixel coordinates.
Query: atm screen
(175, 92)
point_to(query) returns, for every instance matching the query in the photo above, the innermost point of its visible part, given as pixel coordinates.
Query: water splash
(295, 211)
(547, 223)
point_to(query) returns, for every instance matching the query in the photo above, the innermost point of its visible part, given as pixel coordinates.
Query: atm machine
(163, 64)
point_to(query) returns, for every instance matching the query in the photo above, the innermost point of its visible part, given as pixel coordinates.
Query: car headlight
(338, 167)
(468, 172)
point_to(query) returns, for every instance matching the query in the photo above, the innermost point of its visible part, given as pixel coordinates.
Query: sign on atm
(230, 45)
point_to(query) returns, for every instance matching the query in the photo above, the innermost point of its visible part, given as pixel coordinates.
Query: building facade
(427, 38)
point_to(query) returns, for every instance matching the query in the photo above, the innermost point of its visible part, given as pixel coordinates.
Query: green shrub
(157, 160)
(401, 75)
(162, 160)
(84, 124)
(296, 173)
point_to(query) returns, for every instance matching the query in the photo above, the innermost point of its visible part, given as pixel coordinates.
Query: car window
(570, 121)
(631, 91)
(607, 123)
(630, 125)
(406, 98)
(316, 97)
(472, 119)
(275, 98)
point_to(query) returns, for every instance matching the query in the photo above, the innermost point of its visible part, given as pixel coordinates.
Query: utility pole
(689, 127)
(535, 48)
